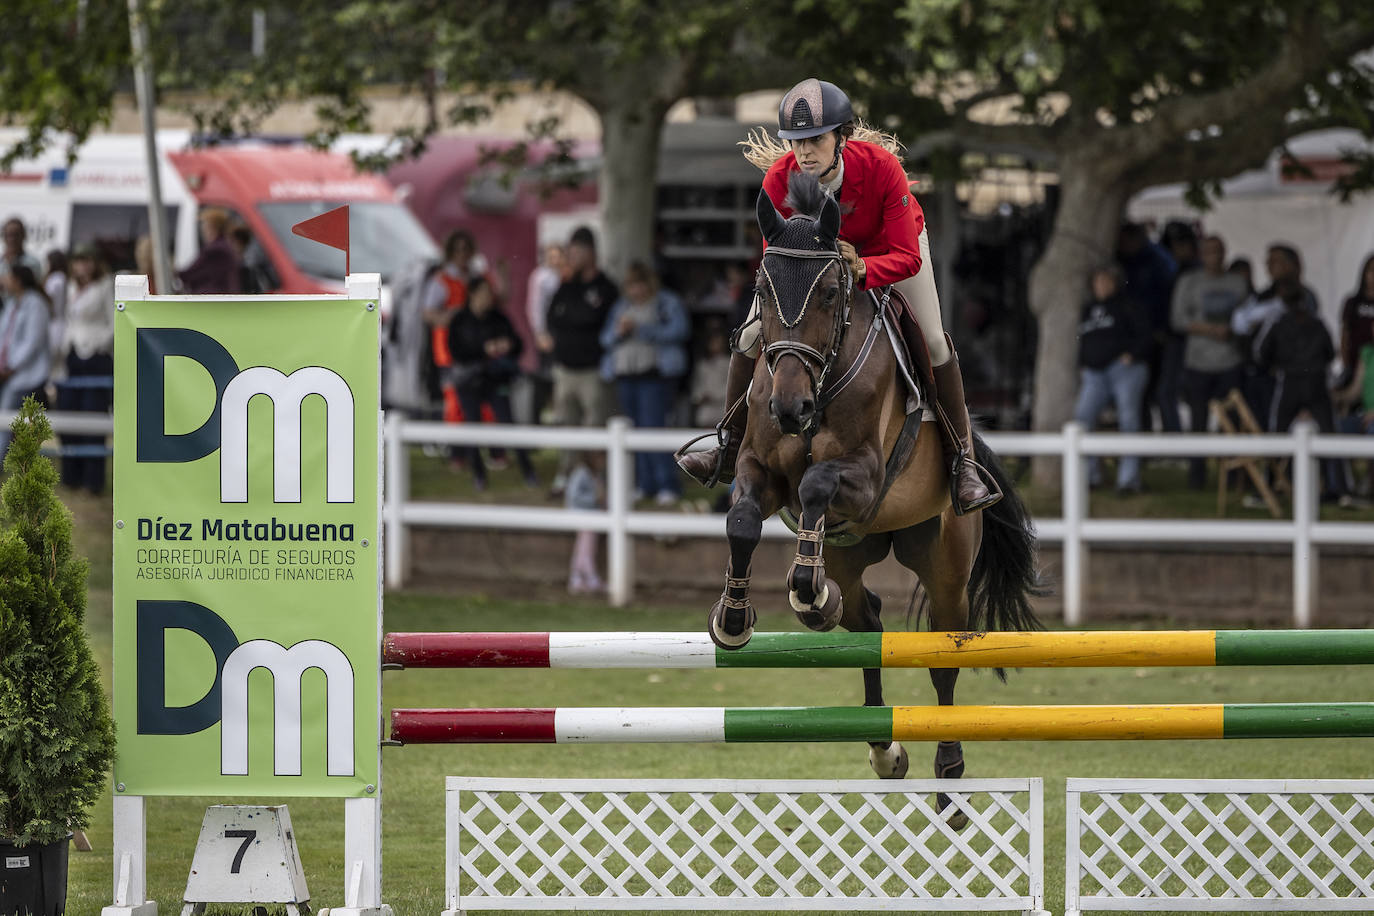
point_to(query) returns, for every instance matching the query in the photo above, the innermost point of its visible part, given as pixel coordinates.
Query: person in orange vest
(447, 292)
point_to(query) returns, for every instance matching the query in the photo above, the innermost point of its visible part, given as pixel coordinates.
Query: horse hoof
(889, 762)
(715, 626)
(825, 614)
(957, 819)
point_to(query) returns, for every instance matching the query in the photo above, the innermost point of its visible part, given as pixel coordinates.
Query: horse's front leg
(845, 487)
(731, 620)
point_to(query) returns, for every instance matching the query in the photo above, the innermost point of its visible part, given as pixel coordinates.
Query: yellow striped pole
(1050, 650)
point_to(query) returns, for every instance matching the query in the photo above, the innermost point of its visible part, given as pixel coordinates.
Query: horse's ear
(770, 221)
(829, 222)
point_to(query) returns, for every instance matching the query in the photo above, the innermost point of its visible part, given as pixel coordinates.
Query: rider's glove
(856, 263)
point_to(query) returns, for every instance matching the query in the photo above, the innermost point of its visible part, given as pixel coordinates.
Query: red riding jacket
(881, 218)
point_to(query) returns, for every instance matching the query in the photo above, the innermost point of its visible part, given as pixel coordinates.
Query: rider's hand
(856, 263)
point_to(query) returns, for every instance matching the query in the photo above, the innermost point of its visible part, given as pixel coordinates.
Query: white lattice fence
(536, 844)
(1220, 845)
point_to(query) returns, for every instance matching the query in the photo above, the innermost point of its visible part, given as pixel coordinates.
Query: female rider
(883, 239)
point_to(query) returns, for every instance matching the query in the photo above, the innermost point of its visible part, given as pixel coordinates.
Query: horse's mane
(762, 149)
(805, 196)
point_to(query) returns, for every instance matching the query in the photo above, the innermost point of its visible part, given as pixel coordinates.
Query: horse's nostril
(808, 407)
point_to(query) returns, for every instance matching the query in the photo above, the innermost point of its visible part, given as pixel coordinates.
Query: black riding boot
(718, 464)
(971, 487)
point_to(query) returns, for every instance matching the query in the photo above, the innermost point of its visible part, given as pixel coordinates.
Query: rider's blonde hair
(763, 149)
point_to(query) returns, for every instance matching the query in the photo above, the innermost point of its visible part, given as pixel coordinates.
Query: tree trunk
(630, 132)
(1084, 236)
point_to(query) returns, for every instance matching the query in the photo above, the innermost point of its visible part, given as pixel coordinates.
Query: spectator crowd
(57, 323)
(1171, 323)
(601, 348)
(1168, 329)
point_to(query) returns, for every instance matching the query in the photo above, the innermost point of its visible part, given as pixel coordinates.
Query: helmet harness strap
(834, 160)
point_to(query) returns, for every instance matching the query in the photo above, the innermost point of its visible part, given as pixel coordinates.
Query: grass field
(413, 791)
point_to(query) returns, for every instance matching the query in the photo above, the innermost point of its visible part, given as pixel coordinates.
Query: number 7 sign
(246, 854)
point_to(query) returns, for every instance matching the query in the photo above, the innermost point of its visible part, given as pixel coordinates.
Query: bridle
(817, 363)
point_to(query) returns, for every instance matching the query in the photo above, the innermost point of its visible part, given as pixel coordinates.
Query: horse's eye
(830, 294)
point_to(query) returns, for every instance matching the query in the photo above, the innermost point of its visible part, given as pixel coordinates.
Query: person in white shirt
(543, 283)
(87, 355)
(55, 285)
(24, 355)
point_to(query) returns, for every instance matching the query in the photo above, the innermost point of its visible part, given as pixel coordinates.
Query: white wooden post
(619, 484)
(362, 858)
(1305, 558)
(1035, 810)
(1071, 843)
(397, 457)
(129, 844)
(1073, 503)
(129, 849)
(363, 816)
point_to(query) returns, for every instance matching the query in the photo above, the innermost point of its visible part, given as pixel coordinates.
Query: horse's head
(804, 290)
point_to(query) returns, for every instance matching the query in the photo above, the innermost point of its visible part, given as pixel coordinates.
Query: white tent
(1263, 206)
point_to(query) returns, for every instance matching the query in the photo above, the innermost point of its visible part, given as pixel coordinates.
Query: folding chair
(1244, 423)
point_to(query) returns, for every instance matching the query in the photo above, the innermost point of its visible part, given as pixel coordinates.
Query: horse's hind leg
(942, 555)
(861, 615)
(949, 755)
(887, 758)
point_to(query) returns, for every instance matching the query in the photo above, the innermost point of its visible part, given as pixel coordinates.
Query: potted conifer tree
(56, 737)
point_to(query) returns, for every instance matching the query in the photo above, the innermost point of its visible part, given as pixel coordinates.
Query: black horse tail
(1005, 573)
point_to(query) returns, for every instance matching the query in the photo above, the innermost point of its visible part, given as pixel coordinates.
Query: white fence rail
(73, 422)
(703, 844)
(1266, 845)
(1073, 529)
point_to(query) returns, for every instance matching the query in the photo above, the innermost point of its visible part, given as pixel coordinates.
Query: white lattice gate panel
(544, 844)
(1219, 844)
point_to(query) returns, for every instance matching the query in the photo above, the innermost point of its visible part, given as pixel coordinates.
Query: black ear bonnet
(814, 226)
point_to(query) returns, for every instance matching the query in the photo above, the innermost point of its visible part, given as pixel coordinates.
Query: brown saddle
(913, 351)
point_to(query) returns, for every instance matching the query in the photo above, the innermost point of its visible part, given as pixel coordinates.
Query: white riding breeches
(919, 291)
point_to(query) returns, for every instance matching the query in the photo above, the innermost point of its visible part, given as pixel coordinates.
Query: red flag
(330, 228)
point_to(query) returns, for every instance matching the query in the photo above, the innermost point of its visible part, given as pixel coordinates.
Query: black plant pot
(33, 879)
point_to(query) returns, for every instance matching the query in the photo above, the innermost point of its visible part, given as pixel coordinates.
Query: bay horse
(826, 409)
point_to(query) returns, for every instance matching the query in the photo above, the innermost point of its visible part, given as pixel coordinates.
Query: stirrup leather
(725, 442)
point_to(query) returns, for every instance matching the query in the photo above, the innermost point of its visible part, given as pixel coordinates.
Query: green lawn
(413, 790)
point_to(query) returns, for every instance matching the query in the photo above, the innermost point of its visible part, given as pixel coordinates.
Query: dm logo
(226, 430)
(227, 700)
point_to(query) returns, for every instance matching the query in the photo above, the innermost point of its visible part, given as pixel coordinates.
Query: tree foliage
(1112, 96)
(56, 737)
(1177, 90)
(63, 62)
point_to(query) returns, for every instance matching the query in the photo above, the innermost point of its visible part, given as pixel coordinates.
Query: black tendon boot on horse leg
(730, 622)
(971, 487)
(815, 599)
(949, 755)
(718, 464)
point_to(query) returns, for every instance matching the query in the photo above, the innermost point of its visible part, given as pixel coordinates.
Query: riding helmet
(811, 108)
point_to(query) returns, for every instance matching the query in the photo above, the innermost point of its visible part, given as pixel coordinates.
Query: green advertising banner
(246, 571)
